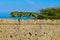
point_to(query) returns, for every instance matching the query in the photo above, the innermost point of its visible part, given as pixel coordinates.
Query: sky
(7, 6)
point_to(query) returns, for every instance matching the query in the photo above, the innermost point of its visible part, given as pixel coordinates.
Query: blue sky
(26, 5)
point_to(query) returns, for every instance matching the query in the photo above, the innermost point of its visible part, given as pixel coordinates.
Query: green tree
(51, 13)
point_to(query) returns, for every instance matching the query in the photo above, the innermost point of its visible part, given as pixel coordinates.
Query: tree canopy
(49, 13)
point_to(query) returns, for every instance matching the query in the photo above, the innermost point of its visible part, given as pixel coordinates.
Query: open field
(30, 30)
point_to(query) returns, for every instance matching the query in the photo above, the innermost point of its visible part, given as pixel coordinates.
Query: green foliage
(49, 13)
(21, 14)
(14, 14)
(42, 17)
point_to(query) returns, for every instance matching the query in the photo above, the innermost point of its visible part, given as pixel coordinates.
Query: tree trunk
(19, 20)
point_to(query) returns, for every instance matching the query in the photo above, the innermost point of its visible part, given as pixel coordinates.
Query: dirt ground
(30, 30)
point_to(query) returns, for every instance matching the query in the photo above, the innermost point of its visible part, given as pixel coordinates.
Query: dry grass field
(30, 30)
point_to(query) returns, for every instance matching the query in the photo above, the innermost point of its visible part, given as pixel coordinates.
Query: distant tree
(51, 13)
(14, 14)
(21, 14)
